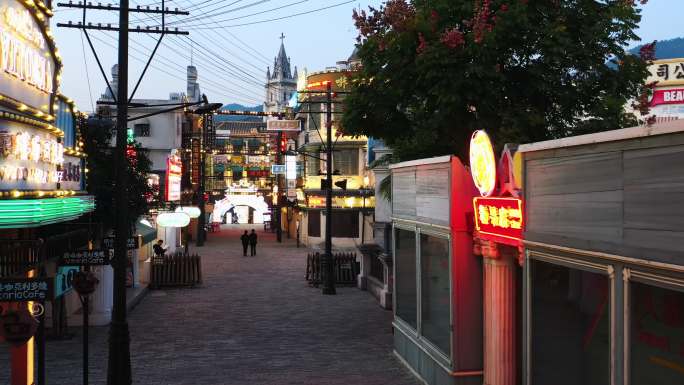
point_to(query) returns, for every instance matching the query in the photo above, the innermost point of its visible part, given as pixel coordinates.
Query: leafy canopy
(433, 71)
(102, 174)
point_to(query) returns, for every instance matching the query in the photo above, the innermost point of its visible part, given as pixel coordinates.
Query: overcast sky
(232, 58)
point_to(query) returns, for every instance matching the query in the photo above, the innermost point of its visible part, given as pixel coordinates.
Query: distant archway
(240, 204)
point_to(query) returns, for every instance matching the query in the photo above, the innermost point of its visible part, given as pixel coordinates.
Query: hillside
(666, 49)
(239, 107)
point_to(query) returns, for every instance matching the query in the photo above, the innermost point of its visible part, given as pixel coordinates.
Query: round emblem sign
(482, 162)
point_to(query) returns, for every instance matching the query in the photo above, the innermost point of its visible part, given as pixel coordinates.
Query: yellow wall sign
(482, 162)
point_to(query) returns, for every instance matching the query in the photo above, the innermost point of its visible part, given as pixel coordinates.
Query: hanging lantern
(193, 212)
(18, 326)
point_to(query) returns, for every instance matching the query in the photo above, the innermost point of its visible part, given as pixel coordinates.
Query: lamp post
(327, 262)
(204, 110)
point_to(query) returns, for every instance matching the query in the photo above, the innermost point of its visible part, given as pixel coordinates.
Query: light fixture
(191, 211)
(173, 219)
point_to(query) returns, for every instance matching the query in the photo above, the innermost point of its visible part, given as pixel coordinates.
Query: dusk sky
(232, 58)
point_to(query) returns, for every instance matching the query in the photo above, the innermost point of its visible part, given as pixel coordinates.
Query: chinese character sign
(499, 219)
(24, 289)
(667, 72)
(174, 170)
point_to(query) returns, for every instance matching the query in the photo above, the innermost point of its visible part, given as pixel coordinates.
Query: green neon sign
(130, 136)
(38, 212)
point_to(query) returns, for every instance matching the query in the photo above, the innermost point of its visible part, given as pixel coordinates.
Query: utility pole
(119, 364)
(327, 263)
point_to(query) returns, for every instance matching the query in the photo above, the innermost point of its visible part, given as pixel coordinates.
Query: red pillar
(500, 314)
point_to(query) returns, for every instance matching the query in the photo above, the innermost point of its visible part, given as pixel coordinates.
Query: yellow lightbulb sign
(482, 163)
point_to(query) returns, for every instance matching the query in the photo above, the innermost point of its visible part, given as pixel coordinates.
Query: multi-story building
(281, 84)
(353, 194)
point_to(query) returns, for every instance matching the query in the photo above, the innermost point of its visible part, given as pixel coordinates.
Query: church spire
(281, 67)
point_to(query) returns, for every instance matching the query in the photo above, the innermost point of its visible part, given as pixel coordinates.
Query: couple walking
(249, 239)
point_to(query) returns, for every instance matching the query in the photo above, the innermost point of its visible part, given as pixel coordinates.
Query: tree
(100, 178)
(433, 71)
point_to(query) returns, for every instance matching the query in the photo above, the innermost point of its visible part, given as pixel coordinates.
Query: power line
(244, 16)
(85, 65)
(223, 12)
(275, 19)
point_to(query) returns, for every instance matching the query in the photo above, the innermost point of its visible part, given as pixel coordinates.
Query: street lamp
(205, 110)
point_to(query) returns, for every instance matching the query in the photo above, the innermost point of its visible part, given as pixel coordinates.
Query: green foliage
(433, 71)
(102, 173)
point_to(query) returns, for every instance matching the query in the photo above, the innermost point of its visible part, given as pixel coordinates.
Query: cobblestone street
(253, 321)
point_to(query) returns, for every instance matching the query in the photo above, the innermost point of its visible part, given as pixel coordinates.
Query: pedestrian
(159, 251)
(245, 243)
(253, 242)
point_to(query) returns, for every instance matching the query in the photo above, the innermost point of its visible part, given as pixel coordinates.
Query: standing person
(253, 242)
(245, 243)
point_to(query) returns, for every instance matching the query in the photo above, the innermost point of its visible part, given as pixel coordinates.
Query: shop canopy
(147, 233)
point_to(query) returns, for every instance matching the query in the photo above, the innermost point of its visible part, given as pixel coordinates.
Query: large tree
(525, 70)
(102, 172)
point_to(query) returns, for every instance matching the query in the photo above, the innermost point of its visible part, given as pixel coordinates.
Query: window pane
(657, 335)
(313, 166)
(570, 326)
(435, 296)
(405, 280)
(346, 162)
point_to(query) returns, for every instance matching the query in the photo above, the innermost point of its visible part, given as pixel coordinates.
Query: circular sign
(482, 162)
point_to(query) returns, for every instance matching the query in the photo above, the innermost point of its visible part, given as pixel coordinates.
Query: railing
(345, 268)
(175, 271)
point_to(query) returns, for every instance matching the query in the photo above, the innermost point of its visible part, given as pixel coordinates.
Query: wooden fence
(175, 271)
(345, 268)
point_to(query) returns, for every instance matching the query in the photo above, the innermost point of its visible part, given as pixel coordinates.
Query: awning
(148, 233)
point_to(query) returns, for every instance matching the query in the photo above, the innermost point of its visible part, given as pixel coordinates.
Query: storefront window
(435, 293)
(345, 224)
(656, 335)
(570, 326)
(405, 279)
(346, 161)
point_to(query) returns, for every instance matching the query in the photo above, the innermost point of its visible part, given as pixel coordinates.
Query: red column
(500, 323)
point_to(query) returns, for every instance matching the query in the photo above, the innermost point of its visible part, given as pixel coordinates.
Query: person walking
(245, 243)
(253, 242)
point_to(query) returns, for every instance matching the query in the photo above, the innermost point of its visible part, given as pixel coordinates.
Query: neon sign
(22, 47)
(174, 170)
(499, 218)
(482, 163)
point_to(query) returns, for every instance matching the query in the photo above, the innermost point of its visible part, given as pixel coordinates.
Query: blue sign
(278, 169)
(64, 279)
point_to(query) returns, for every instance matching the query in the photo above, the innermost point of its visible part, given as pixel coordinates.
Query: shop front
(437, 278)
(604, 266)
(42, 172)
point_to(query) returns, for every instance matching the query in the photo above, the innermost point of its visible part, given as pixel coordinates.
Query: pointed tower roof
(281, 67)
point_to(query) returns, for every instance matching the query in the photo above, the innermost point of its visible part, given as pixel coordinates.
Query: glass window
(570, 326)
(405, 280)
(313, 166)
(141, 130)
(656, 335)
(346, 161)
(435, 294)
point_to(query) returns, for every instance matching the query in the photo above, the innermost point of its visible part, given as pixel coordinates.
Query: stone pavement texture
(253, 321)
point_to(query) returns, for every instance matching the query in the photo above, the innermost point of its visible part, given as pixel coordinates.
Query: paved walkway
(254, 321)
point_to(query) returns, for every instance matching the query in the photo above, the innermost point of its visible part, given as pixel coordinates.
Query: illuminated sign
(174, 170)
(283, 125)
(482, 163)
(191, 211)
(672, 96)
(26, 58)
(341, 202)
(173, 220)
(290, 167)
(30, 159)
(499, 219)
(40, 212)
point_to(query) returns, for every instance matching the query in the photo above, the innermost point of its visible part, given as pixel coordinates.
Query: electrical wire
(251, 14)
(85, 65)
(274, 19)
